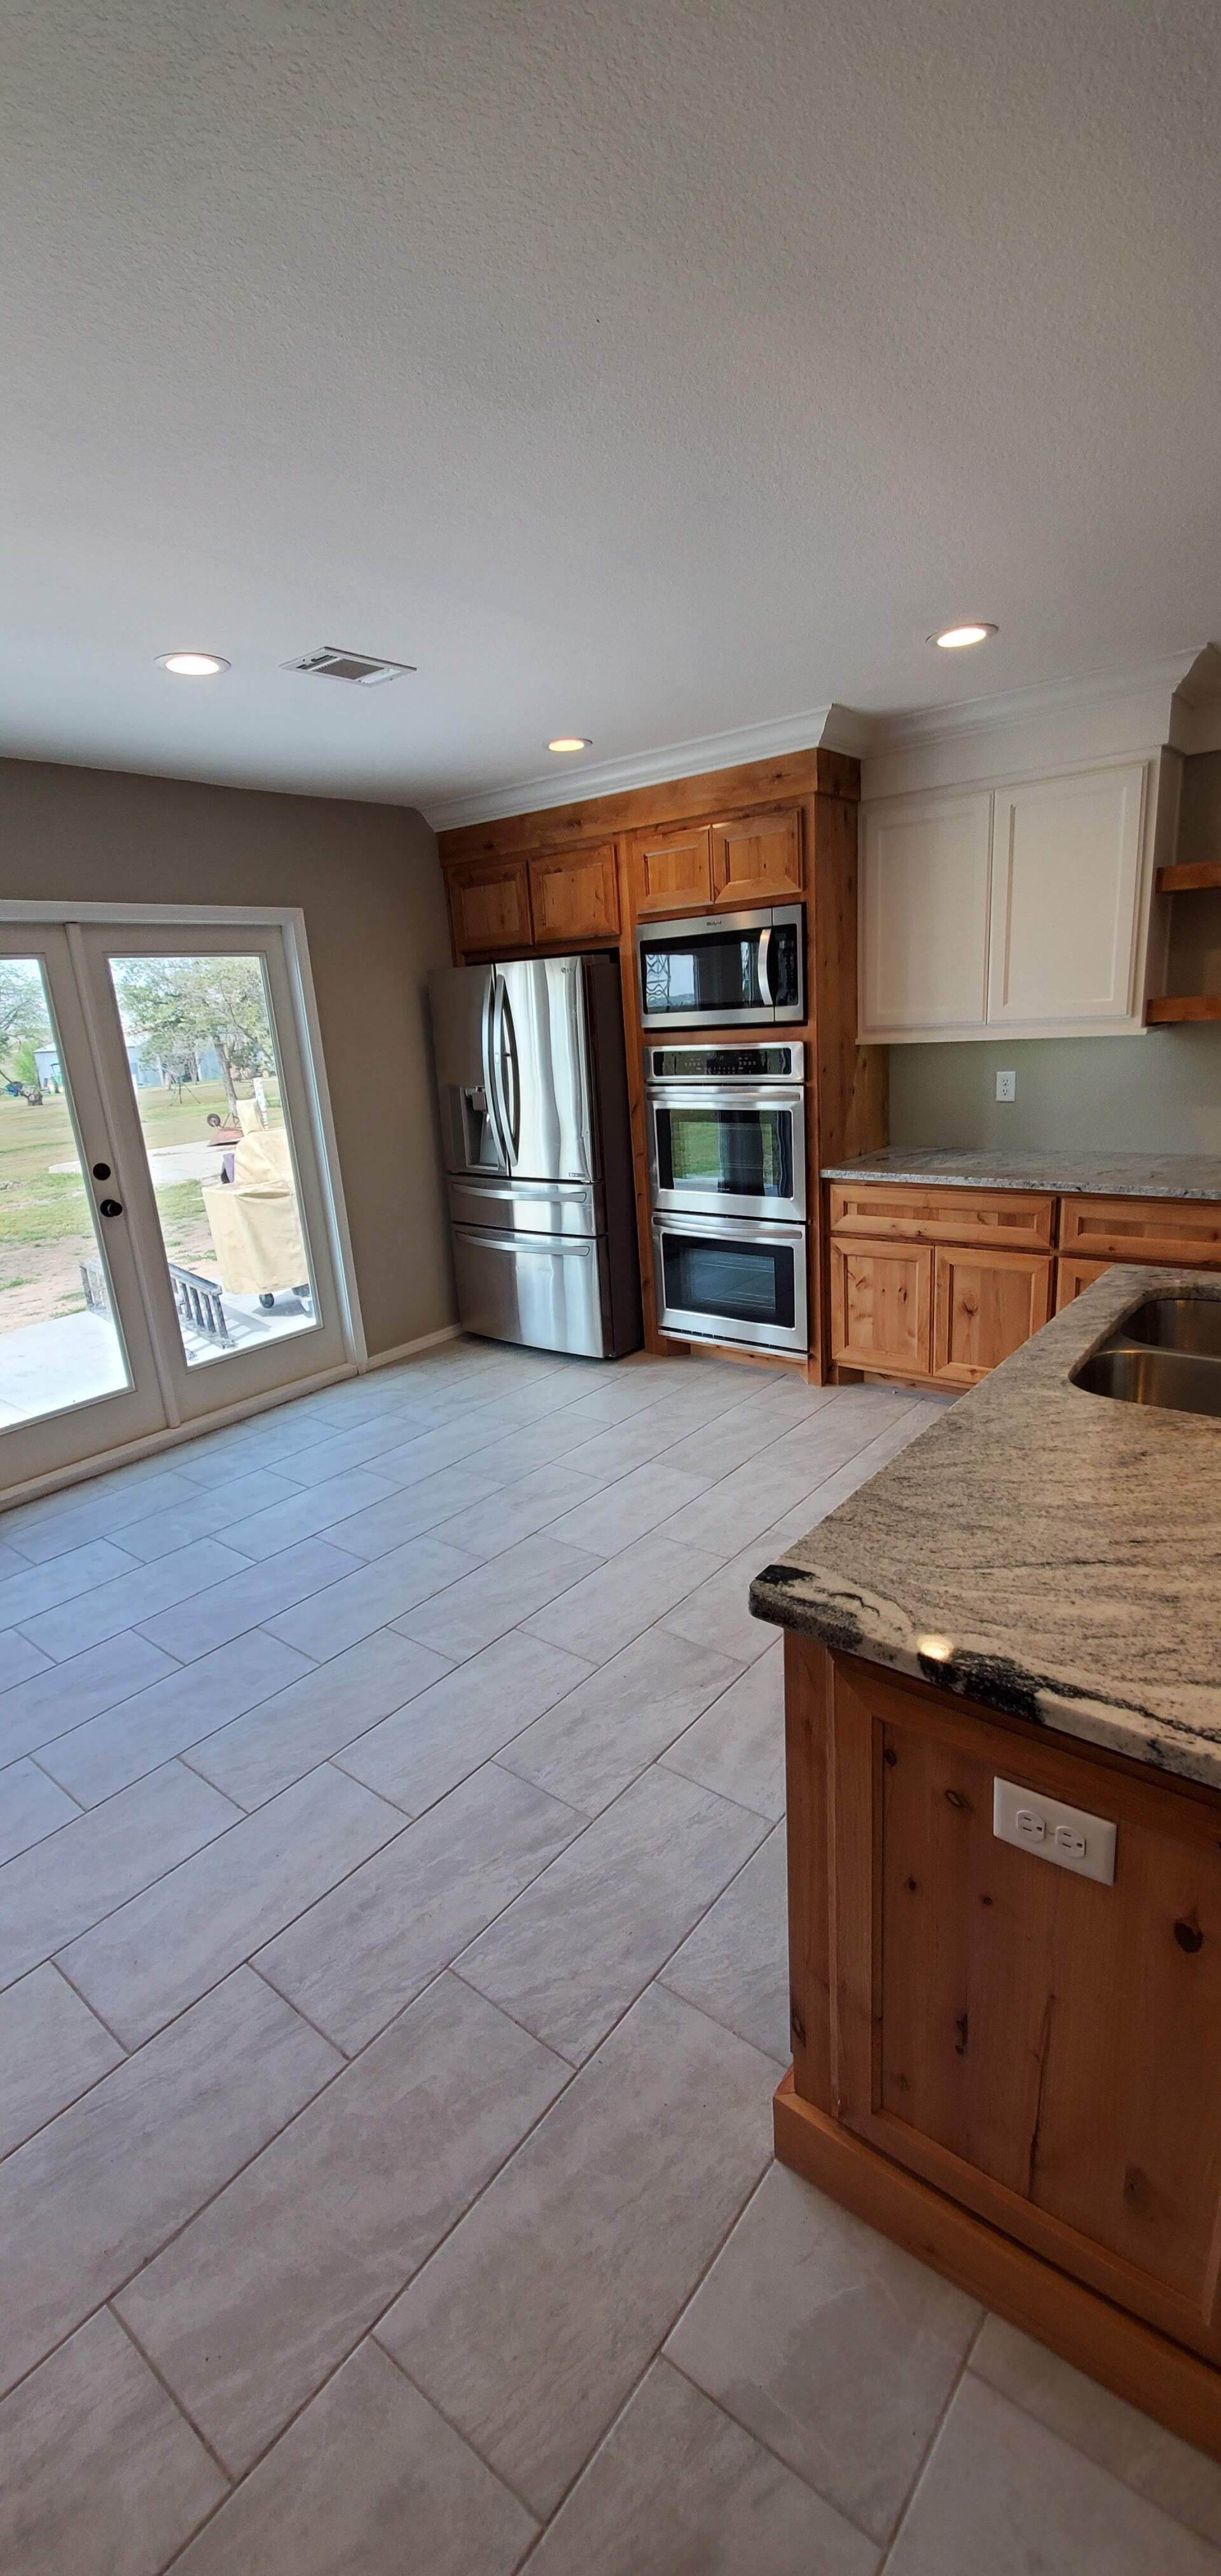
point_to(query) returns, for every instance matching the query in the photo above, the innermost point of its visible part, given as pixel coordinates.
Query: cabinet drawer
(985, 1305)
(574, 894)
(1172, 1230)
(881, 1307)
(1014, 1219)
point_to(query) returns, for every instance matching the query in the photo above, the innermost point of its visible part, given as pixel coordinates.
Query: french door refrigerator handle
(765, 980)
(489, 1069)
(506, 1048)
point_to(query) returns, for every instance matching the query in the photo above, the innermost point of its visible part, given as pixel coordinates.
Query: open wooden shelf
(1190, 878)
(1184, 1006)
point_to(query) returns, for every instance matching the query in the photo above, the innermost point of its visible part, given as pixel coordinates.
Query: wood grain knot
(1188, 1934)
(962, 2027)
(955, 1798)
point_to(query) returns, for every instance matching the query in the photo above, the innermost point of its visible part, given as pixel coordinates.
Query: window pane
(59, 1343)
(202, 1056)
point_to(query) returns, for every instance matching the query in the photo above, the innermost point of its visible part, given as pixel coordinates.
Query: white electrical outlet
(1067, 1835)
(1006, 1086)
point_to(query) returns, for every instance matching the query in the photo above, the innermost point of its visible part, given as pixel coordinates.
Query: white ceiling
(644, 371)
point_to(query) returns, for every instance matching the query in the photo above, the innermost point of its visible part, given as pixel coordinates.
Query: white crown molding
(1192, 676)
(912, 727)
(566, 786)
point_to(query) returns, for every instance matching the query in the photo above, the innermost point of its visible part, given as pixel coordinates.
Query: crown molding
(910, 728)
(565, 786)
(859, 733)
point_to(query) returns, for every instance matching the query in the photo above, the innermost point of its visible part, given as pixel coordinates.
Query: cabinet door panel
(1073, 1276)
(756, 859)
(985, 1305)
(924, 915)
(1065, 889)
(1169, 1230)
(880, 1306)
(574, 894)
(672, 871)
(489, 906)
(1040, 2046)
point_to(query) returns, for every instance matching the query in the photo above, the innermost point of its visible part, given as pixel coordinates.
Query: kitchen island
(1008, 2063)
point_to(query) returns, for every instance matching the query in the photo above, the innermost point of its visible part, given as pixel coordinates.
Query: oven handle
(765, 959)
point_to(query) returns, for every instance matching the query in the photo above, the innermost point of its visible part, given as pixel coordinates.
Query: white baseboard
(408, 1350)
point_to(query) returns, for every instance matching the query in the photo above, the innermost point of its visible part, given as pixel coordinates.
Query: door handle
(489, 1082)
(110, 1207)
(765, 980)
(496, 1048)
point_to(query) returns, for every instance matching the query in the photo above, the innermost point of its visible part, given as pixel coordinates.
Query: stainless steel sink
(1181, 1380)
(1176, 1324)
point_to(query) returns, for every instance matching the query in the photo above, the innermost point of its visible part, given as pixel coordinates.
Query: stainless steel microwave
(723, 969)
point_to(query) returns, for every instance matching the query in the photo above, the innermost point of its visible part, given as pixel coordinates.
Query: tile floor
(391, 1998)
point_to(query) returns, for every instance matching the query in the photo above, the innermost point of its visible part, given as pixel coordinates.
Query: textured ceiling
(639, 371)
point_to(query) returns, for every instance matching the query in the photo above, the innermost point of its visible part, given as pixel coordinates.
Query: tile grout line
(925, 2460)
(74, 1989)
(178, 2404)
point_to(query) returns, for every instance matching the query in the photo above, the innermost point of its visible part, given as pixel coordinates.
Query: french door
(166, 1217)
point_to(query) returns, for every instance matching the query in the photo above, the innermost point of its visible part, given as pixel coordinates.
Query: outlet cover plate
(1069, 1836)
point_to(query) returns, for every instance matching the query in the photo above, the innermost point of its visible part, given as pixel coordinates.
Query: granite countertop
(1104, 1176)
(1050, 1553)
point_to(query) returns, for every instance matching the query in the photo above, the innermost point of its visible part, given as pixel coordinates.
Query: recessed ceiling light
(571, 742)
(953, 638)
(193, 666)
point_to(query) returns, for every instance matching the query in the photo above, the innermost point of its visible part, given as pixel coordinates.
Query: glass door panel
(77, 1373)
(211, 1093)
(201, 1051)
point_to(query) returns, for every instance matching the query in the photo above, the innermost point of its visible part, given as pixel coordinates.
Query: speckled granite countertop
(1053, 1554)
(1104, 1176)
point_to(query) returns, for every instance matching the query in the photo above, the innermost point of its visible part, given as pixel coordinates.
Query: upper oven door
(728, 1153)
(721, 970)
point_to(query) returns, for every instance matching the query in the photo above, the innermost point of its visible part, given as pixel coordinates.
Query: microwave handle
(765, 960)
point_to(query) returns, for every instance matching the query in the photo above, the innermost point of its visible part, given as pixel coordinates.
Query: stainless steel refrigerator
(537, 1143)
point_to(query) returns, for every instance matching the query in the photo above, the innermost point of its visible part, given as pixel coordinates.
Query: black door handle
(110, 1207)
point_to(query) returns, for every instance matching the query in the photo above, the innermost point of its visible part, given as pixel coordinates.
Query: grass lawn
(46, 1221)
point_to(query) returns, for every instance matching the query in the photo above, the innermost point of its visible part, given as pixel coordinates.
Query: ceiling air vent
(332, 663)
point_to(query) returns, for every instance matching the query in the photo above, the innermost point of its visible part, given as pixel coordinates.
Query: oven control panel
(772, 1063)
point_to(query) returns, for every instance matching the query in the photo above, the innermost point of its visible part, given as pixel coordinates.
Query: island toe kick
(1008, 2065)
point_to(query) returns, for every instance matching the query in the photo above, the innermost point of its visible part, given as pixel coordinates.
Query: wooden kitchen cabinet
(985, 1305)
(574, 895)
(671, 871)
(1037, 2047)
(1066, 856)
(756, 860)
(1072, 1276)
(881, 1307)
(489, 906)
(1186, 1231)
(1009, 1220)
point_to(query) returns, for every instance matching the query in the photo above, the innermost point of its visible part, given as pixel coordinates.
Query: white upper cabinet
(1065, 891)
(1024, 908)
(924, 914)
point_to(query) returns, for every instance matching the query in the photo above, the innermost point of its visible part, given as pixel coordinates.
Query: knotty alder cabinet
(1009, 2067)
(499, 907)
(939, 1286)
(728, 866)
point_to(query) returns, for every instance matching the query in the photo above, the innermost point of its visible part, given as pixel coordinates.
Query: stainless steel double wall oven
(727, 1175)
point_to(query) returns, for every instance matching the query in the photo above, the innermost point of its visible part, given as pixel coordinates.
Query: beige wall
(1160, 1093)
(369, 883)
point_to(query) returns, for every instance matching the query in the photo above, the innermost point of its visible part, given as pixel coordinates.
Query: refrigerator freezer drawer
(545, 1290)
(526, 1207)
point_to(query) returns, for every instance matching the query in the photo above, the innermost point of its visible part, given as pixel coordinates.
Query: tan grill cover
(253, 1218)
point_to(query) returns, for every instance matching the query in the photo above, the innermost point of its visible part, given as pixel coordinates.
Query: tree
(24, 1023)
(180, 1004)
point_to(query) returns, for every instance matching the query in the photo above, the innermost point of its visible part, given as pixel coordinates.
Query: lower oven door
(721, 1280)
(733, 1153)
(544, 1290)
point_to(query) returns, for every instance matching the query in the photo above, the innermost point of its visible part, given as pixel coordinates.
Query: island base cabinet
(1016, 2066)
